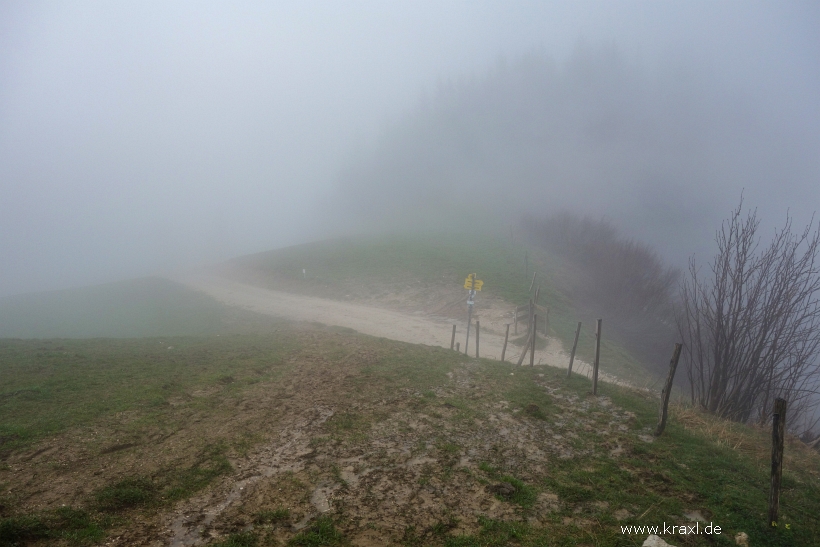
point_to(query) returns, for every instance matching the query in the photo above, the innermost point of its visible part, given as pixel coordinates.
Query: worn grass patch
(68, 524)
(126, 494)
(169, 485)
(241, 539)
(50, 385)
(321, 532)
(272, 516)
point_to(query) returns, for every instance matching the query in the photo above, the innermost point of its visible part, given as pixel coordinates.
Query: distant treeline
(621, 280)
(594, 133)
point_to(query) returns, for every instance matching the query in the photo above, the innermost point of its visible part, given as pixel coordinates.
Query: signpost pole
(470, 311)
(472, 284)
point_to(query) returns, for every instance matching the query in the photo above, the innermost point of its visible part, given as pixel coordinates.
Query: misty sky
(140, 137)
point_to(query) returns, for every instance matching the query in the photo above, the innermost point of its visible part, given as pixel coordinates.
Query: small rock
(655, 541)
(742, 539)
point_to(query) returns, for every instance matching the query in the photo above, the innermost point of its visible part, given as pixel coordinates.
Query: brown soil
(383, 463)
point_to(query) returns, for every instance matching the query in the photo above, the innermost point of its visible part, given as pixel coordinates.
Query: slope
(135, 308)
(316, 436)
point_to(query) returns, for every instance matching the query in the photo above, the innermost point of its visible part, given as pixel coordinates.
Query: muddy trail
(379, 442)
(413, 318)
(409, 467)
(361, 441)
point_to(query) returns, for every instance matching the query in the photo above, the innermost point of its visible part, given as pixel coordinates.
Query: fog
(142, 138)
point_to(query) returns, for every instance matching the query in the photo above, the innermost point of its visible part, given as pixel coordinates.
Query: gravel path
(415, 328)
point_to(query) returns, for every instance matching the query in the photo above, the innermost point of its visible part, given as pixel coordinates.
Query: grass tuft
(322, 532)
(274, 516)
(126, 494)
(64, 524)
(241, 539)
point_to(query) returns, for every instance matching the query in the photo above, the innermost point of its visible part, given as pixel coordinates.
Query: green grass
(241, 539)
(126, 494)
(656, 482)
(85, 526)
(399, 365)
(321, 532)
(412, 259)
(523, 495)
(273, 516)
(141, 307)
(210, 464)
(50, 385)
(74, 526)
(493, 533)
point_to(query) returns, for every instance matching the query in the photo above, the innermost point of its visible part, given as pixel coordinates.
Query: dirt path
(415, 328)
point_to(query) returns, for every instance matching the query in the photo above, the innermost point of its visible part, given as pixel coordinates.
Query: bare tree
(751, 327)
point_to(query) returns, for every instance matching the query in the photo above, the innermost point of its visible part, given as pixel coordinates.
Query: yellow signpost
(472, 284)
(468, 283)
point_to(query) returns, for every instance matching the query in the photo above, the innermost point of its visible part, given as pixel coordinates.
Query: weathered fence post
(574, 347)
(526, 349)
(534, 335)
(515, 321)
(529, 317)
(597, 358)
(667, 390)
(477, 327)
(458, 347)
(506, 336)
(778, 432)
(453, 337)
(532, 282)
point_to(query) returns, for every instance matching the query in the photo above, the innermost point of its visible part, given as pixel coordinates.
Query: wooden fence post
(458, 347)
(574, 347)
(667, 390)
(534, 335)
(506, 336)
(529, 317)
(453, 338)
(526, 349)
(597, 358)
(778, 432)
(532, 282)
(477, 327)
(515, 321)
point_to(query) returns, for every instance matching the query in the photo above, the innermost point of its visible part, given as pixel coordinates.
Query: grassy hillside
(367, 266)
(364, 267)
(135, 308)
(339, 438)
(400, 260)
